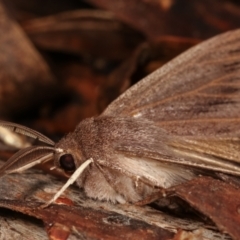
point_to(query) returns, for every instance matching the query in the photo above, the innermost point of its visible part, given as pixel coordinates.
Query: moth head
(65, 160)
(68, 156)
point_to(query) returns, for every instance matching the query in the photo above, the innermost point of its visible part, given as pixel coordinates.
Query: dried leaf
(84, 32)
(24, 74)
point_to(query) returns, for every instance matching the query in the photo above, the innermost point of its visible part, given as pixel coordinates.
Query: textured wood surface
(76, 217)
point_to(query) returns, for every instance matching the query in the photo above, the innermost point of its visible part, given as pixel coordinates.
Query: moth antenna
(27, 158)
(70, 181)
(27, 132)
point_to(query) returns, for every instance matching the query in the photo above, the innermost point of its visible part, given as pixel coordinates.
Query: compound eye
(66, 162)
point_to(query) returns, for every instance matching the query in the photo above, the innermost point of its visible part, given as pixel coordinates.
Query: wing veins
(196, 90)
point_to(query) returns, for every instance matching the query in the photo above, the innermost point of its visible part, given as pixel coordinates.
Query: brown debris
(218, 200)
(183, 235)
(197, 19)
(84, 32)
(58, 231)
(59, 219)
(91, 219)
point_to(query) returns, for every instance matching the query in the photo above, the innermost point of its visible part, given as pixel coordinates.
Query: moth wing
(196, 94)
(148, 153)
(176, 162)
(151, 171)
(27, 158)
(226, 149)
(26, 131)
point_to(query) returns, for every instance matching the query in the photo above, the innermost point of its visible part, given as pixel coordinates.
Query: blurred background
(63, 61)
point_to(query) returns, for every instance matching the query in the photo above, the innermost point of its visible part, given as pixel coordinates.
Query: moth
(180, 121)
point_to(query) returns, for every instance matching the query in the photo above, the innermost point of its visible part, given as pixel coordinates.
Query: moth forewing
(195, 94)
(222, 155)
(227, 147)
(152, 171)
(162, 160)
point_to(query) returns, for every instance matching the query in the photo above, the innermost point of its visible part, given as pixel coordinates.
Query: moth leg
(151, 198)
(70, 181)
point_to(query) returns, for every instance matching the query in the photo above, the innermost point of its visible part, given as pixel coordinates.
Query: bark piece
(216, 199)
(76, 215)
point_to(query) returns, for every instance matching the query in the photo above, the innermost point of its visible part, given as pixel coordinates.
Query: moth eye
(66, 162)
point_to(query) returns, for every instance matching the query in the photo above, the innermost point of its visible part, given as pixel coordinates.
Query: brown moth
(181, 121)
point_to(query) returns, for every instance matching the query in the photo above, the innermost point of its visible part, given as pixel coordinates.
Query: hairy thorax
(92, 139)
(113, 186)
